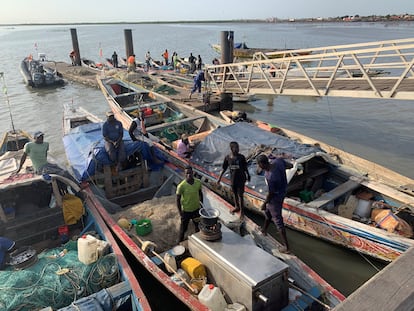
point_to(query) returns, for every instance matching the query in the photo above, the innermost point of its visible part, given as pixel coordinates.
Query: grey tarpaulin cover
(252, 141)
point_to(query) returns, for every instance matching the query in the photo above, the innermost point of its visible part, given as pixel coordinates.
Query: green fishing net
(57, 279)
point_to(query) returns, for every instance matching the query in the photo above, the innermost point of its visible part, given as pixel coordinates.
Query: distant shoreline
(344, 19)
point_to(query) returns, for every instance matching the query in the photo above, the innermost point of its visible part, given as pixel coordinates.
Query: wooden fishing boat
(141, 174)
(166, 120)
(47, 265)
(239, 241)
(242, 51)
(88, 63)
(328, 197)
(37, 74)
(14, 140)
(306, 279)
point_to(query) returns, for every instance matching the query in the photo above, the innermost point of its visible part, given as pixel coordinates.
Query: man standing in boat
(275, 174)
(137, 125)
(239, 174)
(189, 195)
(113, 134)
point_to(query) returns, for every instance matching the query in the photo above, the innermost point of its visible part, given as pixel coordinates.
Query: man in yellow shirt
(189, 196)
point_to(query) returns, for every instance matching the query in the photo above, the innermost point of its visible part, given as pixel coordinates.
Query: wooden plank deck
(390, 289)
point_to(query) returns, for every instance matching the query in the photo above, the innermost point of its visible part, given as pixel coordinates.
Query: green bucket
(143, 227)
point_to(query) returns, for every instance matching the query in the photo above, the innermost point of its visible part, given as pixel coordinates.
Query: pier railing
(381, 69)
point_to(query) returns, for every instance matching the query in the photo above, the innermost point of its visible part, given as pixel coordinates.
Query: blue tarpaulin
(85, 150)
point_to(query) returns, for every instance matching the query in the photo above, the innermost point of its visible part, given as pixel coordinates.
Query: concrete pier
(391, 289)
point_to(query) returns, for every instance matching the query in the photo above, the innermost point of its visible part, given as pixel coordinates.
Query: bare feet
(235, 210)
(284, 250)
(263, 231)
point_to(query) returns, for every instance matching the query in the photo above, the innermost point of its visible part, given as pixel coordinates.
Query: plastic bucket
(143, 227)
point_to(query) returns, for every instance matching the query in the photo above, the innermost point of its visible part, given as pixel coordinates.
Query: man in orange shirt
(165, 56)
(131, 63)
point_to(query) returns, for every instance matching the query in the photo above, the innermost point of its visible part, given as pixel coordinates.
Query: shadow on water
(345, 270)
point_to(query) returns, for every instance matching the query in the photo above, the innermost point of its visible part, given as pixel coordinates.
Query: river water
(379, 130)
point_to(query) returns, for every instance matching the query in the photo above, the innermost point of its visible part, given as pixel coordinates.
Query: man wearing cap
(37, 151)
(113, 134)
(184, 149)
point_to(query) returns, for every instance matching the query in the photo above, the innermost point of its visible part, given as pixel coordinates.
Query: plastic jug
(212, 297)
(171, 264)
(88, 249)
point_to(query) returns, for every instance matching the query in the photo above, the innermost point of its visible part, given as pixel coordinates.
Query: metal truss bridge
(381, 69)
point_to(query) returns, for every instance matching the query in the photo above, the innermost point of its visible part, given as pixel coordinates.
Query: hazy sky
(74, 11)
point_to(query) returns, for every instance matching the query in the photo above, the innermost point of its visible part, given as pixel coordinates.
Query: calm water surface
(380, 130)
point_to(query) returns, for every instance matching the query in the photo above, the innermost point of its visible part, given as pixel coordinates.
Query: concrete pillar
(129, 45)
(227, 45)
(75, 46)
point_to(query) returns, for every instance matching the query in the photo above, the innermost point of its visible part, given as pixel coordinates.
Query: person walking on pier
(198, 79)
(275, 174)
(131, 66)
(199, 62)
(72, 56)
(165, 56)
(147, 61)
(115, 60)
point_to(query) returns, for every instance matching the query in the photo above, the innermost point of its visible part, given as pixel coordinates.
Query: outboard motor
(49, 78)
(38, 79)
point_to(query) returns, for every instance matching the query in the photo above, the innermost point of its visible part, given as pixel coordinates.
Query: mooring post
(129, 45)
(75, 48)
(227, 45)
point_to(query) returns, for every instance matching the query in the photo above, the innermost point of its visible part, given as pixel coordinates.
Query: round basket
(143, 227)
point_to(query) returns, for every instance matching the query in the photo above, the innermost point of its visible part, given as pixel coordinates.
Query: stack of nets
(56, 280)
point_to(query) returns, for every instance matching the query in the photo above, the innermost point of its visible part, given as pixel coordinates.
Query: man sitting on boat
(113, 134)
(37, 151)
(184, 149)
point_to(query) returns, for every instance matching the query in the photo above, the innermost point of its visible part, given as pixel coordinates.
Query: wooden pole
(129, 45)
(75, 46)
(227, 45)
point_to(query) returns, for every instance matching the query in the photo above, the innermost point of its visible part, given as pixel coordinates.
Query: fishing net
(57, 279)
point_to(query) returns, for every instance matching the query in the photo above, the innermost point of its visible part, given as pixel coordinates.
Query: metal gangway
(381, 69)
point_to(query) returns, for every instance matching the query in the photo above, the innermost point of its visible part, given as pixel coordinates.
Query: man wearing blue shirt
(113, 134)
